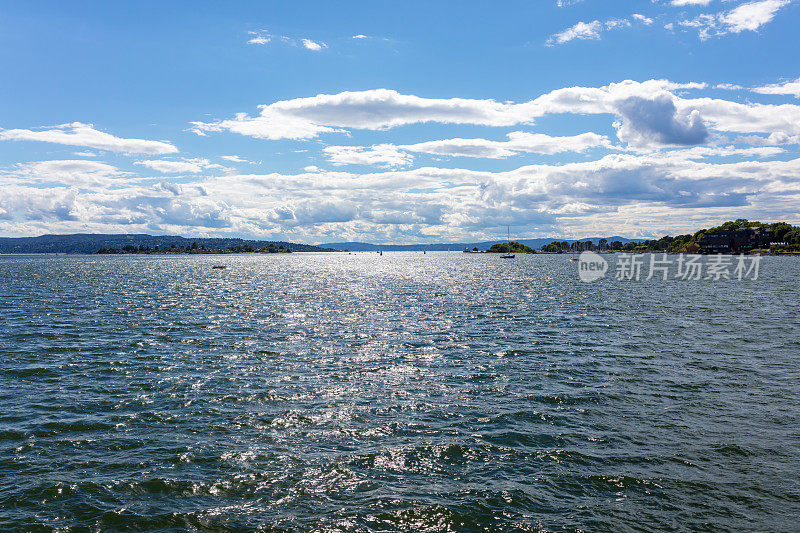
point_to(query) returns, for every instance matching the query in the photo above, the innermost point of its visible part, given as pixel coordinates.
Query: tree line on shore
(512, 247)
(195, 248)
(780, 232)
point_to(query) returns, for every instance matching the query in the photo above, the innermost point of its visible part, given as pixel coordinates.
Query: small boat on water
(508, 254)
(218, 266)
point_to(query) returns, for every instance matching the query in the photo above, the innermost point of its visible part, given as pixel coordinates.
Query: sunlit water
(436, 392)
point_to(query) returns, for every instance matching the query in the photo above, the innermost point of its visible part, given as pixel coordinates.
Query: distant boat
(218, 266)
(573, 252)
(508, 254)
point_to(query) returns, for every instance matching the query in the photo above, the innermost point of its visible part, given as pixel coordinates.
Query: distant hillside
(456, 246)
(367, 247)
(88, 243)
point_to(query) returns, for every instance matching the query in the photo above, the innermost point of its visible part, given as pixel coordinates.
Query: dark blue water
(437, 392)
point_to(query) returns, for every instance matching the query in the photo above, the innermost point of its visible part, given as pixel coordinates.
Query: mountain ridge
(88, 243)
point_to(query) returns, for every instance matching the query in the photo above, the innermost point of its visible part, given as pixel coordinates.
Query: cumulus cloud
(657, 121)
(615, 180)
(79, 134)
(717, 114)
(424, 203)
(647, 113)
(787, 87)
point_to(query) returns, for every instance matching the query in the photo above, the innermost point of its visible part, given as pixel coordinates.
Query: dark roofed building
(735, 241)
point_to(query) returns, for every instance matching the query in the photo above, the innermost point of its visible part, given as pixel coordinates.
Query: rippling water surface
(437, 392)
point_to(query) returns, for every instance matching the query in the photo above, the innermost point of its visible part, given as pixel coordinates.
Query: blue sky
(429, 121)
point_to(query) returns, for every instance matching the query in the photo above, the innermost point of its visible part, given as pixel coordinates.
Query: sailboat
(508, 254)
(574, 245)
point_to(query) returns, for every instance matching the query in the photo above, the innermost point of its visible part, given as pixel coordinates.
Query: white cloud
(384, 155)
(787, 87)
(79, 134)
(518, 141)
(313, 45)
(259, 37)
(657, 123)
(615, 192)
(581, 30)
(749, 16)
(360, 36)
(690, 2)
(263, 37)
(305, 118)
(65, 172)
(593, 30)
(648, 114)
(185, 166)
(234, 159)
(613, 24)
(752, 15)
(728, 87)
(774, 139)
